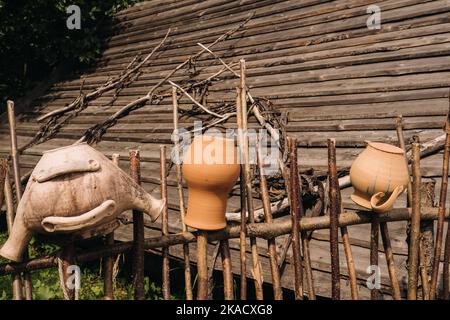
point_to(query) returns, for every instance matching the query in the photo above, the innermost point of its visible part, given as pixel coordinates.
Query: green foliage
(34, 39)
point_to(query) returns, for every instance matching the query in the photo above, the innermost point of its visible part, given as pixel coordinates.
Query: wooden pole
(9, 202)
(186, 259)
(334, 216)
(256, 266)
(389, 253)
(295, 203)
(243, 233)
(413, 254)
(202, 265)
(108, 263)
(348, 255)
(374, 239)
(68, 255)
(138, 232)
(401, 143)
(423, 270)
(28, 286)
(442, 209)
(165, 226)
(227, 270)
(272, 248)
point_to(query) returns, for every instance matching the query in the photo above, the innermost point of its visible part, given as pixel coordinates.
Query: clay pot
(379, 175)
(211, 169)
(74, 189)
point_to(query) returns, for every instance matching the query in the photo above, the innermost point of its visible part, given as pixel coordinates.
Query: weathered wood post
(108, 263)
(9, 202)
(442, 208)
(202, 265)
(138, 232)
(186, 259)
(334, 222)
(165, 225)
(413, 254)
(276, 283)
(295, 204)
(256, 266)
(28, 286)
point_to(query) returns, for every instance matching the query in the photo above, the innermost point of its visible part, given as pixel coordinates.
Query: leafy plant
(34, 39)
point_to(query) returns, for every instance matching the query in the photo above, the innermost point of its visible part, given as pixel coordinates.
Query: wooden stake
(348, 255)
(187, 262)
(165, 226)
(295, 204)
(413, 254)
(396, 293)
(374, 240)
(202, 265)
(272, 248)
(256, 266)
(28, 286)
(68, 255)
(108, 262)
(138, 232)
(423, 271)
(334, 217)
(9, 202)
(227, 270)
(442, 209)
(446, 262)
(243, 233)
(401, 142)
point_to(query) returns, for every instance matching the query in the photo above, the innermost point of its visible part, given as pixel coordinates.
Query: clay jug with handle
(211, 169)
(379, 175)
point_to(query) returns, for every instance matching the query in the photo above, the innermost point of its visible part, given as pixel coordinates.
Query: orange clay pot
(379, 175)
(211, 169)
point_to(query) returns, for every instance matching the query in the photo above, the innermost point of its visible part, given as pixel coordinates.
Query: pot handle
(389, 203)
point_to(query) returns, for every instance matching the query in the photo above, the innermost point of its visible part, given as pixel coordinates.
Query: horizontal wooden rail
(260, 230)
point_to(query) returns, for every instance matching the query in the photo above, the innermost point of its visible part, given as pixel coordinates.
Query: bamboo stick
(186, 259)
(138, 232)
(256, 266)
(442, 209)
(202, 265)
(165, 225)
(108, 263)
(227, 270)
(413, 254)
(276, 283)
(243, 234)
(9, 202)
(260, 230)
(28, 286)
(295, 203)
(334, 218)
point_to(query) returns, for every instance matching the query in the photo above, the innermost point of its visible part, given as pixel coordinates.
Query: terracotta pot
(211, 169)
(74, 189)
(379, 175)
